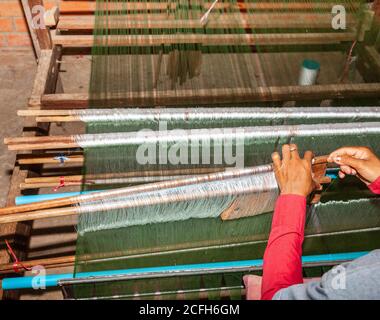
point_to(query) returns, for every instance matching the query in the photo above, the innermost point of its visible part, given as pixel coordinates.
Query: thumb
(349, 161)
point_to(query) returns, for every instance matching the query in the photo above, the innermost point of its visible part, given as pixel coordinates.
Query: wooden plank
(205, 39)
(216, 21)
(211, 96)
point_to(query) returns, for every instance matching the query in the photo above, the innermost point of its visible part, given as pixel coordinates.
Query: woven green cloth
(346, 220)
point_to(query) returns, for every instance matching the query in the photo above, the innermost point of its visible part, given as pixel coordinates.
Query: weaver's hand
(357, 161)
(293, 174)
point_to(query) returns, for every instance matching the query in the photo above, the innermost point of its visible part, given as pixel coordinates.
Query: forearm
(282, 259)
(375, 186)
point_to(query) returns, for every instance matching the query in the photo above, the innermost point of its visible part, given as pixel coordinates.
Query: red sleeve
(375, 186)
(282, 259)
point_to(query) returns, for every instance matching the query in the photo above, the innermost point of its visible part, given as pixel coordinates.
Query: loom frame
(48, 93)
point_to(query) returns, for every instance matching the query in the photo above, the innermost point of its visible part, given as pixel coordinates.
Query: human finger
(286, 153)
(294, 151)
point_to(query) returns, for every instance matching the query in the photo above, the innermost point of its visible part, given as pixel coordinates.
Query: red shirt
(282, 259)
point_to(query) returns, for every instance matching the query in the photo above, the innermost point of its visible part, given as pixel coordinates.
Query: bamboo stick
(15, 210)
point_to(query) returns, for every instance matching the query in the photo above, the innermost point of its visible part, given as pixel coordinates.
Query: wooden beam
(46, 76)
(376, 9)
(216, 21)
(42, 33)
(83, 41)
(214, 96)
(32, 31)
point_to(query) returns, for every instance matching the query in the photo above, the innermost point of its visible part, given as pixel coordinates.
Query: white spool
(309, 73)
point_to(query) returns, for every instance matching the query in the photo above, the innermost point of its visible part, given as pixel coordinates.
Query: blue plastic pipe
(52, 280)
(51, 196)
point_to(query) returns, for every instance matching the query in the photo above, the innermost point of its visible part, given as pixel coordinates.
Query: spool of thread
(309, 72)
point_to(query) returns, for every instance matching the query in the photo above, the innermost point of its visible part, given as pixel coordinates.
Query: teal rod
(52, 280)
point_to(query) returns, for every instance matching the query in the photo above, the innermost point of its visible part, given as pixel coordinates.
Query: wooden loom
(71, 32)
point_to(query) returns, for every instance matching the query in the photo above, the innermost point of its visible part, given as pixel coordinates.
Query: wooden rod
(58, 119)
(47, 263)
(52, 159)
(43, 146)
(115, 178)
(41, 143)
(38, 139)
(39, 112)
(132, 174)
(68, 211)
(172, 198)
(129, 191)
(205, 39)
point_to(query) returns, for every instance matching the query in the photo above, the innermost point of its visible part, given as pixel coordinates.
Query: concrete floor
(17, 72)
(50, 237)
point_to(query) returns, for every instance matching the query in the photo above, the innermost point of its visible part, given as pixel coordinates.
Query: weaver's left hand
(294, 174)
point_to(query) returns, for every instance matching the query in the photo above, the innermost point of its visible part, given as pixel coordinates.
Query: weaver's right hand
(293, 174)
(358, 161)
